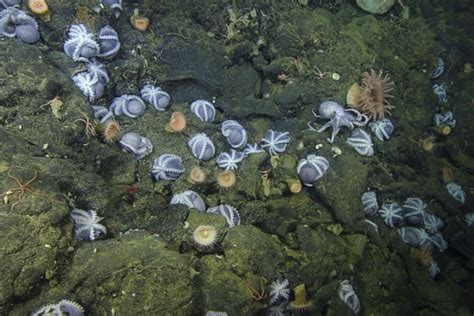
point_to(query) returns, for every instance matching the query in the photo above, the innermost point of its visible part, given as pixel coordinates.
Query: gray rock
(25, 259)
(375, 6)
(342, 187)
(136, 270)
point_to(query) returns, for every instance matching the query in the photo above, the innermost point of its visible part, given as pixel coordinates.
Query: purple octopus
(338, 117)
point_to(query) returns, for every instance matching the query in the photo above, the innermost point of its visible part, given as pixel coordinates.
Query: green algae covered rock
(347, 174)
(252, 260)
(25, 259)
(132, 275)
(316, 237)
(222, 289)
(375, 6)
(249, 250)
(329, 255)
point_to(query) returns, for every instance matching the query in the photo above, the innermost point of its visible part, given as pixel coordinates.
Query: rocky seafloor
(235, 53)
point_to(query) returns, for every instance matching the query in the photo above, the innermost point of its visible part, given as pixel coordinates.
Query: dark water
(361, 205)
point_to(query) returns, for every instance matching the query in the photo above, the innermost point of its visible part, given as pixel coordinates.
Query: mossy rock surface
(222, 289)
(267, 65)
(249, 250)
(343, 186)
(136, 273)
(26, 258)
(329, 256)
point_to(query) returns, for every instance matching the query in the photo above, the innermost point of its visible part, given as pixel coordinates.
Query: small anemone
(111, 131)
(38, 7)
(197, 175)
(139, 22)
(177, 122)
(300, 304)
(226, 179)
(205, 236)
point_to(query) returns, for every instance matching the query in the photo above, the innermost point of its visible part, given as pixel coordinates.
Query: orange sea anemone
(205, 236)
(197, 175)
(372, 98)
(111, 131)
(139, 22)
(177, 122)
(226, 179)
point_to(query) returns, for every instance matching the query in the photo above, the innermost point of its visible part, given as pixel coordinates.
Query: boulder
(375, 6)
